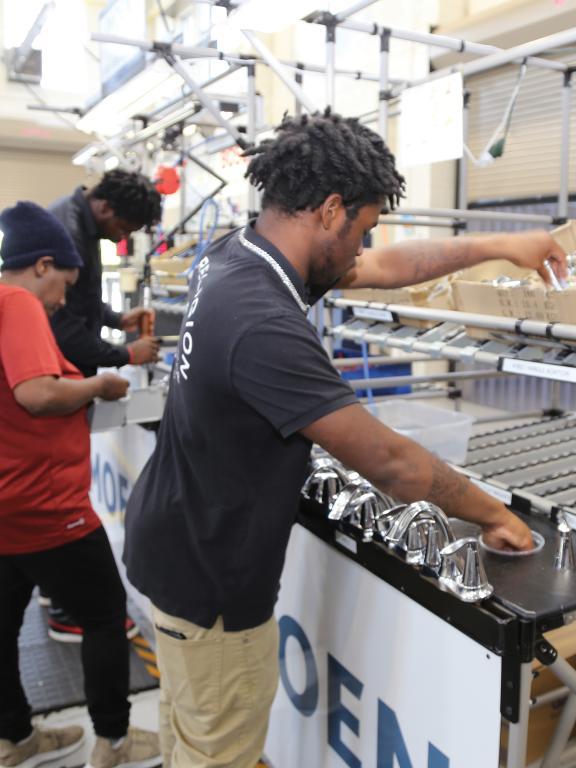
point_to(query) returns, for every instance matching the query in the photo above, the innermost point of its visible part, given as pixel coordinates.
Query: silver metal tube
(205, 100)
(330, 66)
(384, 85)
(563, 190)
(541, 44)
(280, 71)
(392, 221)
(359, 6)
(463, 161)
(550, 696)
(490, 322)
(398, 381)
(518, 735)
(383, 360)
(253, 197)
(451, 43)
(528, 218)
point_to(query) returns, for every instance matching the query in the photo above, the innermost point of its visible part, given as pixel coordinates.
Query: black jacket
(77, 326)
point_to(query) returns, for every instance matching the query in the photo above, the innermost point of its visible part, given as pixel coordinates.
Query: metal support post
(564, 190)
(330, 64)
(299, 79)
(253, 196)
(518, 735)
(463, 162)
(384, 92)
(566, 673)
(279, 70)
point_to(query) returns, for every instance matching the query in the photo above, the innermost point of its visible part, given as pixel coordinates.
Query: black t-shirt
(208, 521)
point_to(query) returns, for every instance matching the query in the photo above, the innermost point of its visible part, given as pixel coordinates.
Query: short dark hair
(314, 156)
(130, 195)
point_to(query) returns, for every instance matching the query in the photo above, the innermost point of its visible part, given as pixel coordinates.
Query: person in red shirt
(49, 534)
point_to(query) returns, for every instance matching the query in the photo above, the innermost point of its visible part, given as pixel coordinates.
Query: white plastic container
(445, 433)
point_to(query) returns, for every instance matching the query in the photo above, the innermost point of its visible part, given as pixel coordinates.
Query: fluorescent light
(270, 15)
(146, 89)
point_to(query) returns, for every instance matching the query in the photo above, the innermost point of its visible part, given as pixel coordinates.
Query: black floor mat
(51, 672)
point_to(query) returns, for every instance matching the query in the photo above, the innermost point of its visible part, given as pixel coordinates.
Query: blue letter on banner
(339, 676)
(307, 701)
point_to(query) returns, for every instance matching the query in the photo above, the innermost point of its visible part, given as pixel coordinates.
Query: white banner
(370, 678)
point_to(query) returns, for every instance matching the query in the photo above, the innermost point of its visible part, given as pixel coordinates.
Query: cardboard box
(565, 236)
(543, 720)
(170, 271)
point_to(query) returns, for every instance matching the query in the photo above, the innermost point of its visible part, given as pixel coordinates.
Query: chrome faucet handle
(386, 518)
(564, 559)
(418, 509)
(362, 505)
(434, 543)
(324, 482)
(462, 571)
(341, 505)
(416, 539)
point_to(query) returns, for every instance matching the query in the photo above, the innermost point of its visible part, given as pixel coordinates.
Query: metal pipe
(382, 360)
(550, 696)
(253, 197)
(399, 381)
(446, 213)
(205, 100)
(299, 79)
(563, 190)
(384, 94)
(451, 43)
(518, 734)
(330, 64)
(562, 669)
(359, 6)
(392, 221)
(490, 322)
(280, 71)
(463, 161)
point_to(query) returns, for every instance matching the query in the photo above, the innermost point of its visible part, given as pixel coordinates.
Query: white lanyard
(276, 267)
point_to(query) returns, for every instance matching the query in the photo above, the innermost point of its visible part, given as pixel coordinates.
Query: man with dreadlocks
(118, 205)
(252, 388)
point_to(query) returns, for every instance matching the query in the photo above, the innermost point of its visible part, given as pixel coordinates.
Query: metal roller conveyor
(511, 434)
(565, 440)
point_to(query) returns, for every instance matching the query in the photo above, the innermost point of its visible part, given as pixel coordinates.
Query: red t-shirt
(44, 460)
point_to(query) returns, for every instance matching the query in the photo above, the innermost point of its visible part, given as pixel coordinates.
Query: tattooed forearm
(447, 487)
(429, 259)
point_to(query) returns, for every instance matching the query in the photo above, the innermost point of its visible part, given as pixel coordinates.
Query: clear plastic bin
(445, 433)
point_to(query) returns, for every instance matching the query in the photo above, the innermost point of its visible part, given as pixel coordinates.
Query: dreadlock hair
(130, 195)
(314, 156)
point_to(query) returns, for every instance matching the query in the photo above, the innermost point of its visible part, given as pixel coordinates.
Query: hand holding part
(144, 350)
(139, 319)
(112, 387)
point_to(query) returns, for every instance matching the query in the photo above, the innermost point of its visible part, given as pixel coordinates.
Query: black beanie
(30, 232)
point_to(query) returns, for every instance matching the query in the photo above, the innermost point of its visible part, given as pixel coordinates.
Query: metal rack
(529, 462)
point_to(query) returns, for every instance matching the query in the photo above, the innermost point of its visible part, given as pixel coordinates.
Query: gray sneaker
(41, 747)
(140, 749)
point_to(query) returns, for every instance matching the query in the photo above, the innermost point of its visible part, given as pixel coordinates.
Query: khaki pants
(216, 691)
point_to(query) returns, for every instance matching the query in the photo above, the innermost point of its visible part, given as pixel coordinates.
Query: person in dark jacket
(118, 205)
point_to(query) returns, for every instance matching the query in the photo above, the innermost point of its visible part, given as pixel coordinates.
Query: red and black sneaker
(64, 629)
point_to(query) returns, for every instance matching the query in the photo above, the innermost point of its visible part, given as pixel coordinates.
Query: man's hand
(111, 386)
(507, 532)
(531, 249)
(144, 350)
(132, 320)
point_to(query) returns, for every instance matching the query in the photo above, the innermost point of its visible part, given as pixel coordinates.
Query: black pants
(82, 576)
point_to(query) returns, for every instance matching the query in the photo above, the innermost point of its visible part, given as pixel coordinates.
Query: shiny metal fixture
(418, 510)
(363, 506)
(325, 481)
(564, 559)
(462, 571)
